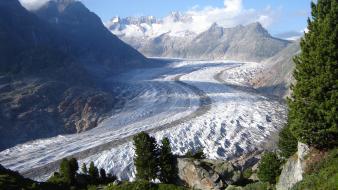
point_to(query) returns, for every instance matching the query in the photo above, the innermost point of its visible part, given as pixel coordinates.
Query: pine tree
(68, 169)
(313, 116)
(84, 168)
(93, 171)
(168, 165)
(103, 174)
(74, 166)
(146, 156)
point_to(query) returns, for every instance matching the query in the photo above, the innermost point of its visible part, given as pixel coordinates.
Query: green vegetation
(69, 178)
(323, 175)
(247, 173)
(287, 143)
(143, 185)
(10, 180)
(168, 165)
(152, 162)
(198, 154)
(146, 157)
(84, 168)
(313, 116)
(93, 171)
(269, 168)
(257, 186)
(252, 186)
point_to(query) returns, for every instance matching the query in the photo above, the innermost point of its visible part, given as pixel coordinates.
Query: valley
(196, 104)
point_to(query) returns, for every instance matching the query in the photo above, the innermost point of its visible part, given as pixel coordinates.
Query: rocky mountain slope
(153, 38)
(276, 76)
(91, 43)
(46, 87)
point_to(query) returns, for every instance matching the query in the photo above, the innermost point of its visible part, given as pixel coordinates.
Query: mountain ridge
(243, 43)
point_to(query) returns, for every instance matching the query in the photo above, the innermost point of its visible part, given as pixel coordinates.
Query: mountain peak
(258, 28)
(60, 5)
(214, 26)
(255, 25)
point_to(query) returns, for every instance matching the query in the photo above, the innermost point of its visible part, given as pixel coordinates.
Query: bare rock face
(82, 110)
(207, 174)
(37, 109)
(276, 77)
(294, 168)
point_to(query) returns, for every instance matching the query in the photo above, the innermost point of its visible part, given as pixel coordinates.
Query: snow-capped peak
(150, 26)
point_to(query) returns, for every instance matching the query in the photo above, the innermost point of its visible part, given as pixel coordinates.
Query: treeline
(68, 176)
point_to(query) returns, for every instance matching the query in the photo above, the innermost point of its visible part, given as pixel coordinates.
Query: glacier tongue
(238, 122)
(193, 103)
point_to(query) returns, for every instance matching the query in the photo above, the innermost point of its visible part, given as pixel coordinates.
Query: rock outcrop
(207, 174)
(294, 168)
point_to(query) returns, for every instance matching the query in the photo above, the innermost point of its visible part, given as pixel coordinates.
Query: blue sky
(288, 15)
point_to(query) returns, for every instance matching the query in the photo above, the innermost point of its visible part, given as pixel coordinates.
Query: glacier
(196, 104)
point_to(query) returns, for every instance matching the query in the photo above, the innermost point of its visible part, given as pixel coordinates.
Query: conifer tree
(313, 116)
(93, 171)
(68, 169)
(103, 175)
(146, 156)
(168, 166)
(84, 168)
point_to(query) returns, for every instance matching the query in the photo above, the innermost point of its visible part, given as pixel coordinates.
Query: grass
(143, 185)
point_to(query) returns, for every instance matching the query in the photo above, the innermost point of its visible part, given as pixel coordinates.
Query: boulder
(293, 169)
(207, 174)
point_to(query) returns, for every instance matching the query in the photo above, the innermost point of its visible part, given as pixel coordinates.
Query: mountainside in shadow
(51, 74)
(90, 40)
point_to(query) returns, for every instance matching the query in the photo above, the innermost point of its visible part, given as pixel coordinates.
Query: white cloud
(233, 5)
(233, 13)
(32, 4)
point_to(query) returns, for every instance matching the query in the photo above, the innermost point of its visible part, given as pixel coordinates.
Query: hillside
(276, 77)
(46, 87)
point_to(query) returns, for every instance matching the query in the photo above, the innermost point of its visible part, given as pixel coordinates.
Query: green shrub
(198, 154)
(247, 173)
(269, 168)
(257, 186)
(91, 187)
